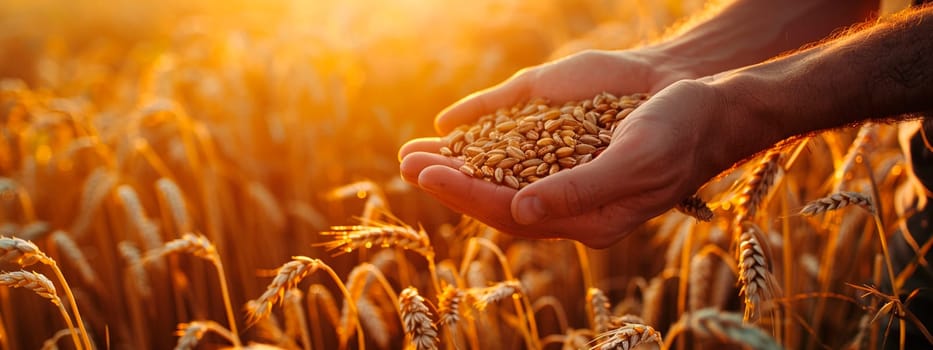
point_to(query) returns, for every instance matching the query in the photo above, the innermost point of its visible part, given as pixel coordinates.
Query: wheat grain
(519, 146)
(416, 318)
(75, 255)
(599, 306)
(836, 201)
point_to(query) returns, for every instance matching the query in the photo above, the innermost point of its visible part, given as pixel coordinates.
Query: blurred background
(261, 113)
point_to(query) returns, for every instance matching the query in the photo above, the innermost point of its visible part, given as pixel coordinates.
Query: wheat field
(209, 175)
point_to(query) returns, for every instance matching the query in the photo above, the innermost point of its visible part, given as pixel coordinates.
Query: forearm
(745, 32)
(879, 72)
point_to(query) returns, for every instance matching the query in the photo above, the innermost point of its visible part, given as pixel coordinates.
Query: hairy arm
(882, 70)
(743, 32)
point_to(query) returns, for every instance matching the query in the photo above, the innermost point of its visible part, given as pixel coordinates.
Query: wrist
(748, 115)
(667, 66)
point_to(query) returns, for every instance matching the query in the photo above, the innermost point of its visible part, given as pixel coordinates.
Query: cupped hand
(652, 163)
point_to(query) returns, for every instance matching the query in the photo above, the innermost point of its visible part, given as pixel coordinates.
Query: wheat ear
(26, 253)
(448, 309)
(758, 284)
(598, 305)
(71, 250)
(416, 318)
(199, 246)
(725, 327)
(759, 183)
(43, 287)
(494, 293)
(695, 207)
(189, 334)
(628, 336)
(836, 201)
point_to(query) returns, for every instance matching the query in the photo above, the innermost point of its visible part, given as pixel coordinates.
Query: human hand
(652, 163)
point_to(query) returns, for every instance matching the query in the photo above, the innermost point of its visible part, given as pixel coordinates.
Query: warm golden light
(256, 125)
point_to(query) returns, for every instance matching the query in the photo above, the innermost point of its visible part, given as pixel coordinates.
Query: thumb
(569, 193)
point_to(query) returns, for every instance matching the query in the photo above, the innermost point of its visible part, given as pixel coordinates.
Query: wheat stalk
(416, 318)
(295, 322)
(43, 287)
(836, 201)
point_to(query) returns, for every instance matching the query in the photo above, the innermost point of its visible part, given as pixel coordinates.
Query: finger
(482, 200)
(489, 203)
(584, 188)
(467, 110)
(413, 164)
(424, 144)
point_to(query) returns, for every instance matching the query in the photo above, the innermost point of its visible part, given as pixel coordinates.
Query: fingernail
(530, 210)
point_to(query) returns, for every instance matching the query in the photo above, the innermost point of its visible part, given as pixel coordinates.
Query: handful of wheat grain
(521, 145)
(518, 146)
